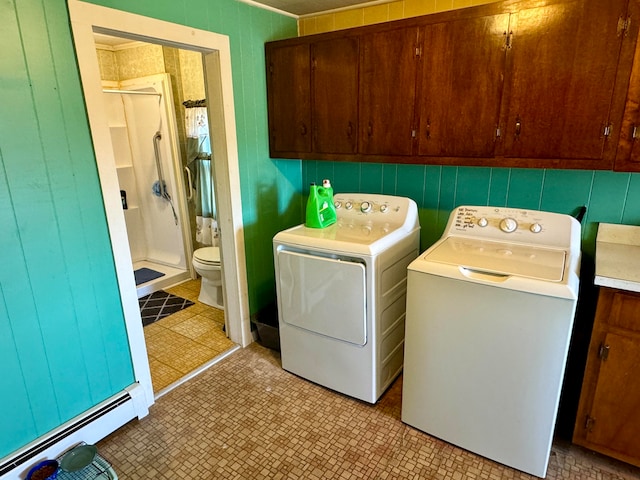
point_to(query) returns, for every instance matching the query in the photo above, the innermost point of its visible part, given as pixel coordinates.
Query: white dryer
(342, 294)
(490, 310)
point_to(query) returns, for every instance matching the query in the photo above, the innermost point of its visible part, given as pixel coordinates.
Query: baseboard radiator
(89, 427)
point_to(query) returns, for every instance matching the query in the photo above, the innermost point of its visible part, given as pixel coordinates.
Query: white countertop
(618, 257)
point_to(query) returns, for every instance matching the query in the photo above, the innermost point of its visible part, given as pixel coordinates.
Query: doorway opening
(88, 19)
(157, 116)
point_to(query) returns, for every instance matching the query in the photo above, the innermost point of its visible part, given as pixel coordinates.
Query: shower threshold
(172, 276)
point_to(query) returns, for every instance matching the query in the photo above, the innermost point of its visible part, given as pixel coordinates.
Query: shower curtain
(199, 164)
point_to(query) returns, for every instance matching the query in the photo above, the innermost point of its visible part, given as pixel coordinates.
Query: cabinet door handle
(349, 129)
(428, 129)
(603, 351)
(508, 39)
(518, 126)
(634, 132)
(303, 129)
(370, 129)
(588, 423)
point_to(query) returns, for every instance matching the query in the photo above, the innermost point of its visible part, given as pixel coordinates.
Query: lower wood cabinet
(608, 419)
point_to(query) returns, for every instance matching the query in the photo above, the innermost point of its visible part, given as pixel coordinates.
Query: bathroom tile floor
(180, 343)
(246, 418)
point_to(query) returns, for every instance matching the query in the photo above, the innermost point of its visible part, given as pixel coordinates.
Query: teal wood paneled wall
(610, 197)
(271, 189)
(63, 344)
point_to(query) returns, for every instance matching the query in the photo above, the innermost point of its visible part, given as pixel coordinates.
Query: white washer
(342, 294)
(490, 309)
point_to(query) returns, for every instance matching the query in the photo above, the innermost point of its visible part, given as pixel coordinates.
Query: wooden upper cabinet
(530, 83)
(561, 71)
(462, 77)
(289, 98)
(628, 153)
(335, 95)
(387, 91)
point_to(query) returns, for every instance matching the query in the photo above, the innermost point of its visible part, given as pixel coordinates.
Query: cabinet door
(462, 79)
(289, 99)
(615, 422)
(335, 95)
(628, 153)
(561, 69)
(387, 92)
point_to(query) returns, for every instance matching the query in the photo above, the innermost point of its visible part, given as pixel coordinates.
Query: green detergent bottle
(320, 209)
(326, 184)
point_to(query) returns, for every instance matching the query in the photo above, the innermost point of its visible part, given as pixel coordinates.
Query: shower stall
(143, 131)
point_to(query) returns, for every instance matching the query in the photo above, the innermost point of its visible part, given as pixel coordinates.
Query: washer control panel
(512, 225)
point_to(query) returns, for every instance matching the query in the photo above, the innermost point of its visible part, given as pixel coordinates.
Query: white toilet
(206, 261)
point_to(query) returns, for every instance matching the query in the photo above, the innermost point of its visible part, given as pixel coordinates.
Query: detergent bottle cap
(326, 183)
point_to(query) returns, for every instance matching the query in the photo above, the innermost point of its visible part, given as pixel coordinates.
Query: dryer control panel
(516, 225)
(375, 210)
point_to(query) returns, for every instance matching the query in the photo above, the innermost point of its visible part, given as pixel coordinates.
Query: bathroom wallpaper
(192, 75)
(107, 63)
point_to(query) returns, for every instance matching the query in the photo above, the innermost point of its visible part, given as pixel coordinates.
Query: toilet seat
(208, 255)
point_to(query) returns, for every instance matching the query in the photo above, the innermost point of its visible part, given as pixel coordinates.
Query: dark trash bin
(266, 322)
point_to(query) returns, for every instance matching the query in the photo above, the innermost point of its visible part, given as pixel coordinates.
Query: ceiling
(293, 7)
(308, 7)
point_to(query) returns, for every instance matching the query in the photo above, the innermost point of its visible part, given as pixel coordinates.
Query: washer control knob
(337, 204)
(483, 222)
(384, 208)
(365, 207)
(508, 225)
(348, 205)
(536, 228)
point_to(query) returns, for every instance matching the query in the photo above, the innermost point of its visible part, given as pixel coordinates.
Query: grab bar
(156, 138)
(190, 183)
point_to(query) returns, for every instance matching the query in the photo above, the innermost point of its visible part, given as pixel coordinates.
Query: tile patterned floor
(180, 343)
(246, 418)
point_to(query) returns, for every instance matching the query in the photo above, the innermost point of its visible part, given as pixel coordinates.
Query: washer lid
(500, 258)
(207, 255)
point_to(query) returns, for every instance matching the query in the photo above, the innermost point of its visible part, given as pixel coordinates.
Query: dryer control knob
(384, 208)
(365, 207)
(348, 205)
(337, 204)
(508, 225)
(483, 222)
(535, 228)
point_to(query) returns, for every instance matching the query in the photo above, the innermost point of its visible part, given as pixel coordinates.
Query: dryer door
(323, 295)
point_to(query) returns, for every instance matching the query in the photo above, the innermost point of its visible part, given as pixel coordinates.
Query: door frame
(85, 20)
